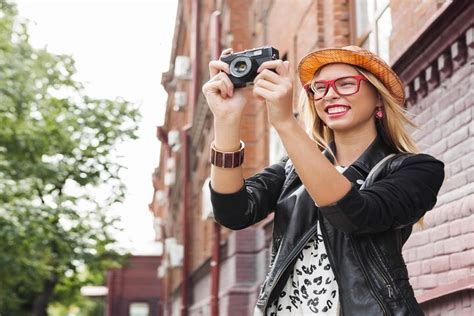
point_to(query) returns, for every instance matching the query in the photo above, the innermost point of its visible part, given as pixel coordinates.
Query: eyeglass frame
(331, 83)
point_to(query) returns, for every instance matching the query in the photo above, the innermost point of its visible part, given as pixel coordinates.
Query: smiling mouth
(337, 109)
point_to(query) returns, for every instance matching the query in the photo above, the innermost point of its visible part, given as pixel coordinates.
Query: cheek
(370, 98)
(364, 103)
(319, 109)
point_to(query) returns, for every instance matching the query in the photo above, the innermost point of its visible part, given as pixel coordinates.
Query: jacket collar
(375, 152)
(359, 169)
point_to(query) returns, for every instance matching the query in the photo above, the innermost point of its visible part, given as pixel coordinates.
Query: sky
(121, 49)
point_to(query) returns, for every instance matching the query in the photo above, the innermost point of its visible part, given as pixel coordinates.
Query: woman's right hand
(225, 103)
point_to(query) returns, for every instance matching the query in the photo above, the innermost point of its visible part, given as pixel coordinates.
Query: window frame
(371, 26)
(138, 302)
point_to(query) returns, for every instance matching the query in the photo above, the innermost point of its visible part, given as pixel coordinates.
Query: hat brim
(310, 63)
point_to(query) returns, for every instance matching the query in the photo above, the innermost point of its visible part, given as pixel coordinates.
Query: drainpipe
(111, 292)
(186, 249)
(195, 59)
(162, 136)
(196, 21)
(215, 260)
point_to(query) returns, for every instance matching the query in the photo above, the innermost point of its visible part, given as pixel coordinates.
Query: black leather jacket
(363, 232)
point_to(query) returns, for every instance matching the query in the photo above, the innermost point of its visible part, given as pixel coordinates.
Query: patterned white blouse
(311, 288)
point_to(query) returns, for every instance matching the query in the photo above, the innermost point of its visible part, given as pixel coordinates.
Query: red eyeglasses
(344, 86)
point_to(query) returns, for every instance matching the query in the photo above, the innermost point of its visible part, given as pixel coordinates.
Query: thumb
(286, 63)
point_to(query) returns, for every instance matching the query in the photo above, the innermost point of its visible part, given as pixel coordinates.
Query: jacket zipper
(290, 258)
(376, 295)
(380, 270)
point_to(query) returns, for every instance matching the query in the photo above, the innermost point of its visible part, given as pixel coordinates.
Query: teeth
(337, 109)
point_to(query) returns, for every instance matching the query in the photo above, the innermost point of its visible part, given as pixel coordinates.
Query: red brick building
(134, 290)
(429, 43)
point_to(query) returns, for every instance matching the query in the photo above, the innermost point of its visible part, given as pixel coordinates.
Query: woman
(336, 249)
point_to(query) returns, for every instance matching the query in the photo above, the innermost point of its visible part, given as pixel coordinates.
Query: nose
(331, 93)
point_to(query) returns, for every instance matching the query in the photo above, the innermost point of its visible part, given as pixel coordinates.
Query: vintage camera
(243, 65)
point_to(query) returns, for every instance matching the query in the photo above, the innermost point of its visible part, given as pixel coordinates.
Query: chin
(345, 126)
(336, 127)
(340, 125)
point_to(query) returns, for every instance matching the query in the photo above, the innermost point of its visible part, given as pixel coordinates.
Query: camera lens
(240, 66)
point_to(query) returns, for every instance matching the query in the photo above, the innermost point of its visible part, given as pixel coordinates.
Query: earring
(379, 113)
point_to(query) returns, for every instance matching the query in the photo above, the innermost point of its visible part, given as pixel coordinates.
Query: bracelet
(231, 159)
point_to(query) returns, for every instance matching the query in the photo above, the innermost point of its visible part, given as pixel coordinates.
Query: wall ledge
(466, 284)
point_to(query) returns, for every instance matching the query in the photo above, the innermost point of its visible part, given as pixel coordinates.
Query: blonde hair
(391, 126)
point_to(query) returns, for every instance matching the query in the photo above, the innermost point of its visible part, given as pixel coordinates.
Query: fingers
(218, 71)
(281, 67)
(286, 63)
(217, 87)
(262, 93)
(228, 84)
(268, 75)
(265, 84)
(216, 66)
(276, 71)
(227, 51)
(224, 86)
(273, 86)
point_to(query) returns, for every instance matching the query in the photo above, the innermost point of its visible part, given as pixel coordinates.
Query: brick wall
(440, 253)
(135, 282)
(244, 260)
(409, 19)
(458, 304)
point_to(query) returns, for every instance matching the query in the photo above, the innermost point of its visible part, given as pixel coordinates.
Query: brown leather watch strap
(231, 159)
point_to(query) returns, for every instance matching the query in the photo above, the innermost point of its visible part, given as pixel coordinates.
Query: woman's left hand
(276, 88)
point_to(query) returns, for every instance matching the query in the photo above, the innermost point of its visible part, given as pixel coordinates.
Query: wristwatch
(230, 159)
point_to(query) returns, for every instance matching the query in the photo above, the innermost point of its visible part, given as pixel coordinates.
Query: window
(139, 309)
(373, 25)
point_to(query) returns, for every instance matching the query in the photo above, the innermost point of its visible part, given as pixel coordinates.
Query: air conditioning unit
(157, 227)
(206, 206)
(182, 68)
(170, 173)
(170, 164)
(175, 252)
(173, 140)
(161, 270)
(180, 100)
(160, 197)
(176, 255)
(170, 178)
(170, 242)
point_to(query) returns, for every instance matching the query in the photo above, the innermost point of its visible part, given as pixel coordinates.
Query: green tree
(56, 148)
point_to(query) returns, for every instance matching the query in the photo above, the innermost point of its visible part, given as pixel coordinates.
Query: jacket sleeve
(399, 199)
(253, 202)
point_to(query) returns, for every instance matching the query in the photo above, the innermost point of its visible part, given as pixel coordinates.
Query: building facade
(429, 43)
(133, 290)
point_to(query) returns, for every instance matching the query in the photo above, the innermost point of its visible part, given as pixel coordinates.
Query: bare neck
(349, 146)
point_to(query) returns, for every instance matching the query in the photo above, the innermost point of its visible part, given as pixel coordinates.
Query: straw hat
(352, 55)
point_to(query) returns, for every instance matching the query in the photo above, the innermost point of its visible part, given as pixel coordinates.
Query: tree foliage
(56, 148)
